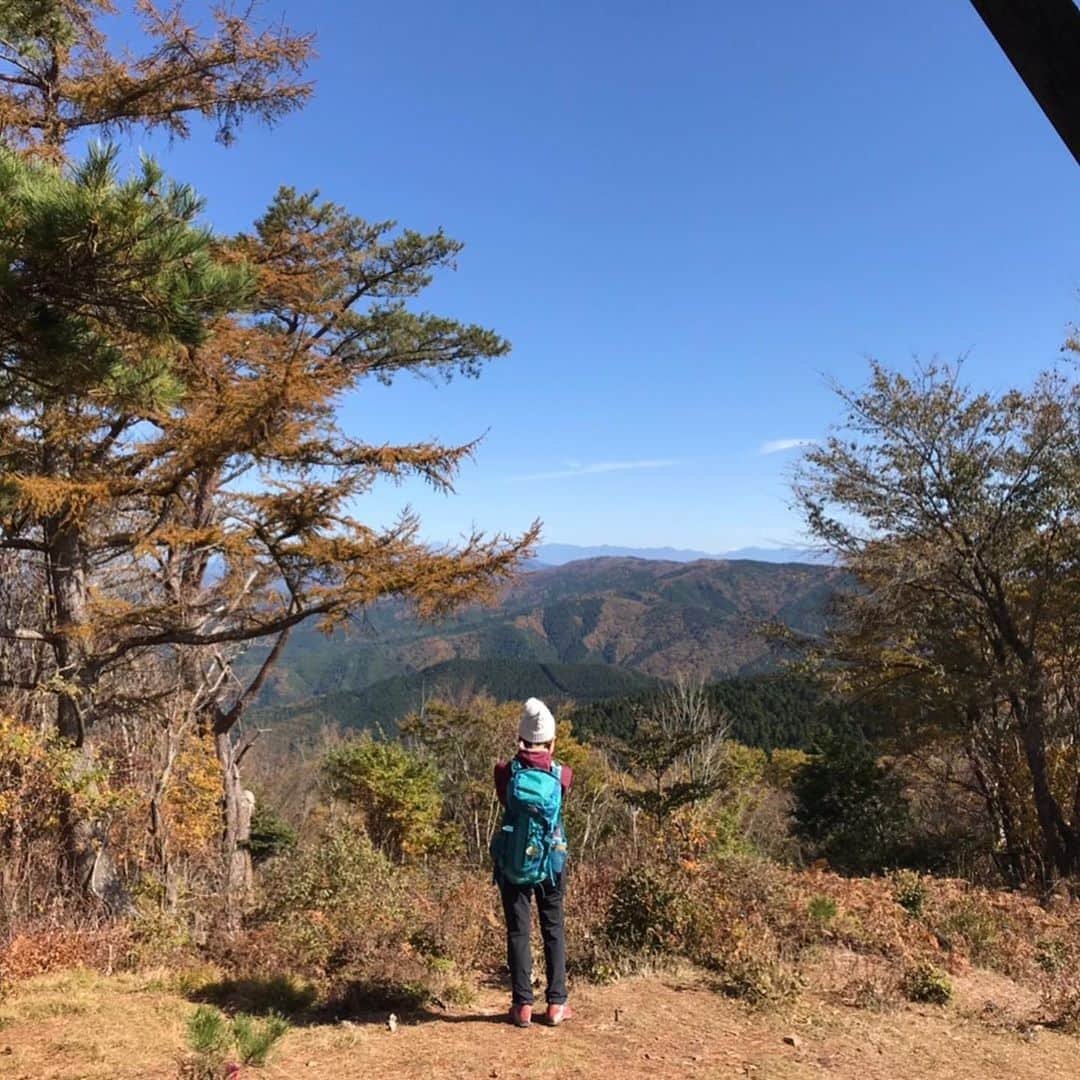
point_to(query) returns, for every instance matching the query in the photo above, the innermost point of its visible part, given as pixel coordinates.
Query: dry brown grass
(40, 952)
(821, 956)
(89, 1026)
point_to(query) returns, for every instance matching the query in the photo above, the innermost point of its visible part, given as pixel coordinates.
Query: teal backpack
(530, 847)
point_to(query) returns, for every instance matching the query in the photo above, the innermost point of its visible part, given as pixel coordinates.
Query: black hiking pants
(517, 907)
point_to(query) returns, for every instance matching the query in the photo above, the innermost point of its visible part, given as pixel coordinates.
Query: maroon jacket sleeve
(566, 779)
(502, 779)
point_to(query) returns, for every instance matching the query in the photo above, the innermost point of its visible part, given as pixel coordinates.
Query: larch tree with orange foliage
(171, 466)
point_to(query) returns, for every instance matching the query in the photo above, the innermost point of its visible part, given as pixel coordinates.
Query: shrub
(159, 936)
(759, 976)
(255, 1038)
(1061, 1004)
(822, 910)
(211, 1035)
(909, 891)
(748, 959)
(396, 790)
(1051, 955)
(207, 1030)
(336, 902)
(270, 834)
(848, 809)
(927, 984)
(643, 914)
(457, 911)
(973, 926)
(461, 994)
(39, 776)
(361, 928)
(783, 766)
(589, 951)
(873, 992)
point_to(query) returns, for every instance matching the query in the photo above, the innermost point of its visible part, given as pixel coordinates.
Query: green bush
(927, 984)
(848, 809)
(397, 791)
(340, 913)
(975, 927)
(270, 834)
(255, 1038)
(758, 975)
(822, 910)
(1051, 955)
(207, 1030)
(330, 903)
(909, 891)
(211, 1035)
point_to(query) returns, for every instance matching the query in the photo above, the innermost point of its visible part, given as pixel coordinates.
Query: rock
(793, 1040)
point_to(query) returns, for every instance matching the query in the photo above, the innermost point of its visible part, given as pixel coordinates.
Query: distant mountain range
(585, 630)
(560, 554)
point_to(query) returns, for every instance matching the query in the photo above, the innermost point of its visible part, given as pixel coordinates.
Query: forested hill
(637, 619)
(382, 704)
(768, 711)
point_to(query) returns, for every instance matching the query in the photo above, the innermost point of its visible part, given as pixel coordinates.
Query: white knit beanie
(537, 724)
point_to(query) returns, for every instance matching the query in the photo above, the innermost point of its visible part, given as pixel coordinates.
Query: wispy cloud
(776, 446)
(574, 468)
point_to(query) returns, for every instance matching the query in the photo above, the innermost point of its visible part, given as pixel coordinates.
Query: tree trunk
(1008, 850)
(90, 867)
(1061, 842)
(237, 808)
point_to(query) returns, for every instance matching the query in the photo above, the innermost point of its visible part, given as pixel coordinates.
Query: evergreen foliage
(172, 475)
(766, 711)
(270, 834)
(849, 809)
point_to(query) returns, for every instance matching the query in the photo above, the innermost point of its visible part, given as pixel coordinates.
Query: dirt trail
(85, 1026)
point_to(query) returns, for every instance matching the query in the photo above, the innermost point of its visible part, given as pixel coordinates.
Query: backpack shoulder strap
(556, 770)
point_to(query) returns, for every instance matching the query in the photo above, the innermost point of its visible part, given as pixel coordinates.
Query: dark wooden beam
(1041, 38)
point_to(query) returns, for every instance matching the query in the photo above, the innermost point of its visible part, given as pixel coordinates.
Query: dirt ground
(82, 1025)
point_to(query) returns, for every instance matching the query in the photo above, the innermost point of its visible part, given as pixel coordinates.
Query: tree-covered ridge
(383, 704)
(765, 711)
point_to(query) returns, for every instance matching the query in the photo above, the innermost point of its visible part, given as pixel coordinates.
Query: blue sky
(687, 218)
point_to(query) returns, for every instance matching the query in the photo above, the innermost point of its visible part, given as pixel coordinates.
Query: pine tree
(171, 466)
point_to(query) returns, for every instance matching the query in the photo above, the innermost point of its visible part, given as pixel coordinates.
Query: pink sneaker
(521, 1015)
(556, 1014)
